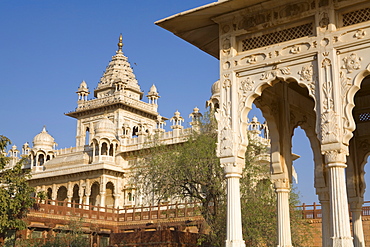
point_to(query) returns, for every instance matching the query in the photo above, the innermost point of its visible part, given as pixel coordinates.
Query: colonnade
(97, 192)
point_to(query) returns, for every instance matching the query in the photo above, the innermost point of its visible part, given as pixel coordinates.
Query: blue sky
(49, 47)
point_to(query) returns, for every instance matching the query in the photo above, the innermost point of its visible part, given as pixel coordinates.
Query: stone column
(54, 193)
(358, 231)
(69, 194)
(325, 217)
(116, 200)
(103, 188)
(234, 234)
(339, 220)
(87, 193)
(282, 189)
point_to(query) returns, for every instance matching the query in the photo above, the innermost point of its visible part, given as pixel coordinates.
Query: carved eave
(46, 178)
(109, 107)
(112, 103)
(197, 27)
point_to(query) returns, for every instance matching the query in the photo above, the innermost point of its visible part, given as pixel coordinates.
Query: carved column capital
(336, 157)
(233, 167)
(282, 185)
(356, 205)
(323, 194)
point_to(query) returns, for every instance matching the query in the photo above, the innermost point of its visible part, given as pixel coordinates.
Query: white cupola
(153, 95)
(43, 140)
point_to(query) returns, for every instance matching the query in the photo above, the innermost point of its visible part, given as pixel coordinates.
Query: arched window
(87, 136)
(76, 196)
(135, 131)
(41, 159)
(61, 194)
(95, 191)
(111, 150)
(49, 192)
(104, 149)
(109, 198)
(130, 197)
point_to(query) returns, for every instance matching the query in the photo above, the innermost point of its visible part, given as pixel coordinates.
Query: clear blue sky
(49, 47)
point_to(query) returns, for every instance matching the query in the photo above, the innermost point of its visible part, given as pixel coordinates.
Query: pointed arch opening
(75, 195)
(95, 194)
(61, 195)
(109, 198)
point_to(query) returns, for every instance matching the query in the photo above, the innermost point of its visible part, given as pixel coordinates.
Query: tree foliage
(192, 171)
(15, 193)
(71, 235)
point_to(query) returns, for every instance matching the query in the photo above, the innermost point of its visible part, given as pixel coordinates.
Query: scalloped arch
(351, 102)
(271, 123)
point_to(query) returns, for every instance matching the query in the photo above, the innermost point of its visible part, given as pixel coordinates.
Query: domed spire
(153, 95)
(153, 90)
(119, 71)
(176, 120)
(83, 91)
(43, 140)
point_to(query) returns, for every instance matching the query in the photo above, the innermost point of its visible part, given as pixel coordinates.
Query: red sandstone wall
(316, 225)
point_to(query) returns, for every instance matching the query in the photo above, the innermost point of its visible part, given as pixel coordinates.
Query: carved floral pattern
(329, 127)
(226, 46)
(306, 73)
(246, 85)
(346, 84)
(275, 72)
(335, 156)
(352, 62)
(295, 49)
(360, 34)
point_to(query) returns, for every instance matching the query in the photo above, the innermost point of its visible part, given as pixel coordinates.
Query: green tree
(71, 235)
(15, 193)
(192, 171)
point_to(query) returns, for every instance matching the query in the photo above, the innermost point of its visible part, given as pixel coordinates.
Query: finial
(120, 44)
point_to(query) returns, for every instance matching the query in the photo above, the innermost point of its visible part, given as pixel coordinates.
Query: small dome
(83, 87)
(43, 139)
(215, 88)
(105, 127)
(254, 119)
(153, 89)
(153, 93)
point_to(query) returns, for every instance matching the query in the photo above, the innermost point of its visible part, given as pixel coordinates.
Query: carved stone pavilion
(303, 63)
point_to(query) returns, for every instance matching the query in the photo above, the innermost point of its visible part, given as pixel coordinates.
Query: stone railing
(130, 213)
(314, 211)
(69, 150)
(150, 212)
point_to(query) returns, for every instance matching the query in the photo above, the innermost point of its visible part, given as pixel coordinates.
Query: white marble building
(111, 128)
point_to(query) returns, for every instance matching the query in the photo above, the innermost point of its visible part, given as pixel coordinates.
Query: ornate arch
(350, 124)
(251, 93)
